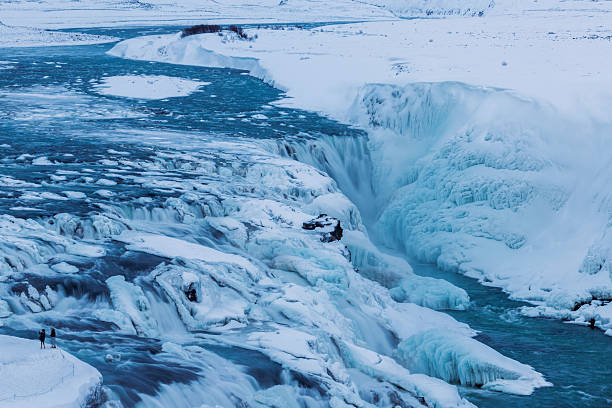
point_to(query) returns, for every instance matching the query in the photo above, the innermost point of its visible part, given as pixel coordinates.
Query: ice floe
(147, 86)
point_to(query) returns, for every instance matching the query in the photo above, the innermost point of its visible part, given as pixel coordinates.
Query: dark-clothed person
(41, 336)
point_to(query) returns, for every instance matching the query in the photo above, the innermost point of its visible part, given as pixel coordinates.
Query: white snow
(147, 86)
(64, 267)
(174, 247)
(49, 377)
(323, 68)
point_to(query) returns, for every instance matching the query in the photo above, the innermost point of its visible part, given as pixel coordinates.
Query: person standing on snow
(53, 338)
(41, 336)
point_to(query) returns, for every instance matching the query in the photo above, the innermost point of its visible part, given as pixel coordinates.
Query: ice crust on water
(147, 87)
(26, 243)
(463, 360)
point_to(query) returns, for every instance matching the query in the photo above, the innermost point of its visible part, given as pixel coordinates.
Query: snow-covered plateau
(35, 377)
(203, 244)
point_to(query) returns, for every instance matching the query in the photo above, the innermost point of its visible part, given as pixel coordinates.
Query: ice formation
(263, 270)
(463, 360)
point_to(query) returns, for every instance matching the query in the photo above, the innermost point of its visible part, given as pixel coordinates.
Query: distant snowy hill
(411, 8)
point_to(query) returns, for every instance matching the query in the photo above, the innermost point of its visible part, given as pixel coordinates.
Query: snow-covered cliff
(34, 377)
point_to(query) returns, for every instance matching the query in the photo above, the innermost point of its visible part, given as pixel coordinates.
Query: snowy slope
(45, 378)
(459, 181)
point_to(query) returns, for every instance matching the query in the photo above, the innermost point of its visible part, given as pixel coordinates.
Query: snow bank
(324, 68)
(147, 86)
(12, 36)
(50, 377)
(463, 360)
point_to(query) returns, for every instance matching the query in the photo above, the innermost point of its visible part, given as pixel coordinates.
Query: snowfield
(44, 378)
(516, 200)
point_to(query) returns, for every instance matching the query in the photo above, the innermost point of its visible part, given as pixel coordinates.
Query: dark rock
(329, 227)
(191, 293)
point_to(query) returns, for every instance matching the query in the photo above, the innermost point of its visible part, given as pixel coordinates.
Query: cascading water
(173, 250)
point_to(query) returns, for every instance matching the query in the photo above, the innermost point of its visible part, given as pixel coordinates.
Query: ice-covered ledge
(32, 377)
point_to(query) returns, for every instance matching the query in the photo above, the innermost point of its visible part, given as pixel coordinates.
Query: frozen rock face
(205, 295)
(328, 227)
(464, 185)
